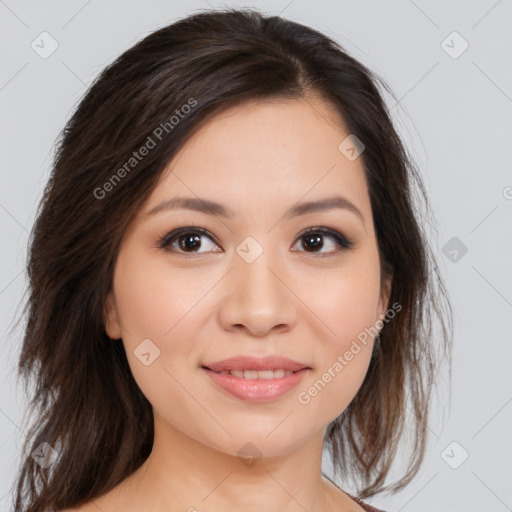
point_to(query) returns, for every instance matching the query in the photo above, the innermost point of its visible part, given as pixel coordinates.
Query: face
(257, 279)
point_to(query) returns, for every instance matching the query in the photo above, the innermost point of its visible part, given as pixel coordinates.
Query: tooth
(266, 374)
(258, 374)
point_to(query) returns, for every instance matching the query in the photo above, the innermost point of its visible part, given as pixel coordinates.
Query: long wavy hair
(88, 406)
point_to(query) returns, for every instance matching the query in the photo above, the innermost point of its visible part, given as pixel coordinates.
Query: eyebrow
(209, 207)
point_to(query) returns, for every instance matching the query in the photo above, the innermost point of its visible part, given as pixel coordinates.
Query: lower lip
(256, 390)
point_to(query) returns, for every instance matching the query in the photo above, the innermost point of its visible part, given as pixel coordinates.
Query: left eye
(314, 239)
(189, 240)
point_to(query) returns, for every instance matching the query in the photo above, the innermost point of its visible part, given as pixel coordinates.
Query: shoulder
(86, 507)
(106, 502)
(366, 507)
(109, 501)
(343, 500)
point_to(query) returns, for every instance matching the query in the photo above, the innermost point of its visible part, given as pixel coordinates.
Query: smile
(258, 374)
(256, 386)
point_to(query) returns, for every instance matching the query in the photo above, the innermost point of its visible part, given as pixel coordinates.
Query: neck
(184, 474)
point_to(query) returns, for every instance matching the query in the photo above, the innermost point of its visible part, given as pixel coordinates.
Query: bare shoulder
(107, 502)
(90, 506)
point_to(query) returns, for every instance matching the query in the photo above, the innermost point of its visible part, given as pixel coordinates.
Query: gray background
(454, 114)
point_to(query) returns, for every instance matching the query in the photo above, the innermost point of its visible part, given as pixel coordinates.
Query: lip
(256, 390)
(273, 362)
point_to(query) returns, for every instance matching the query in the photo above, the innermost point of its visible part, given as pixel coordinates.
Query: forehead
(266, 152)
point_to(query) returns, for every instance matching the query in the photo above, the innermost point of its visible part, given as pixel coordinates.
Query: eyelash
(342, 242)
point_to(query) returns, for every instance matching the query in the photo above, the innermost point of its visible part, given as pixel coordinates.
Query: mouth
(254, 378)
(254, 367)
(256, 385)
(277, 373)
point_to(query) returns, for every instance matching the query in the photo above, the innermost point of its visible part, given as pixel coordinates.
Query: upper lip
(272, 362)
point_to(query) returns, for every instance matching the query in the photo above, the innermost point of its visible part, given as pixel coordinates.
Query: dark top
(368, 508)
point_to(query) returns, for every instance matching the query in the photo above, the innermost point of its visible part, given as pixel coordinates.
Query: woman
(228, 275)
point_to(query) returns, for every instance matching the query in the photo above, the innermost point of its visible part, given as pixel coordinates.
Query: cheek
(350, 311)
(346, 307)
(162, 305)
(346, 301)
(156, 304)
(152, 298)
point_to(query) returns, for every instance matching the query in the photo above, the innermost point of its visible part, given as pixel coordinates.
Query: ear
(112, 324)
(384, 298)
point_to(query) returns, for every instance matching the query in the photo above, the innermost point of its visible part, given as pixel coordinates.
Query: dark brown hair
(89, 407)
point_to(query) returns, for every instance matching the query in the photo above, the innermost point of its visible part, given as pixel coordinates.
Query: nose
(258, 298)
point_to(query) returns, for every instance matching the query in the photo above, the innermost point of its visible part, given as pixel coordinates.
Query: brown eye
(313, 240)
(189, 240)
(186, 240)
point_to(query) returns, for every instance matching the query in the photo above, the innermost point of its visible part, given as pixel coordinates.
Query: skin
(258, 159)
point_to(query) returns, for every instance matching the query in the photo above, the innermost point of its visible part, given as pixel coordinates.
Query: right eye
(186, 240)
